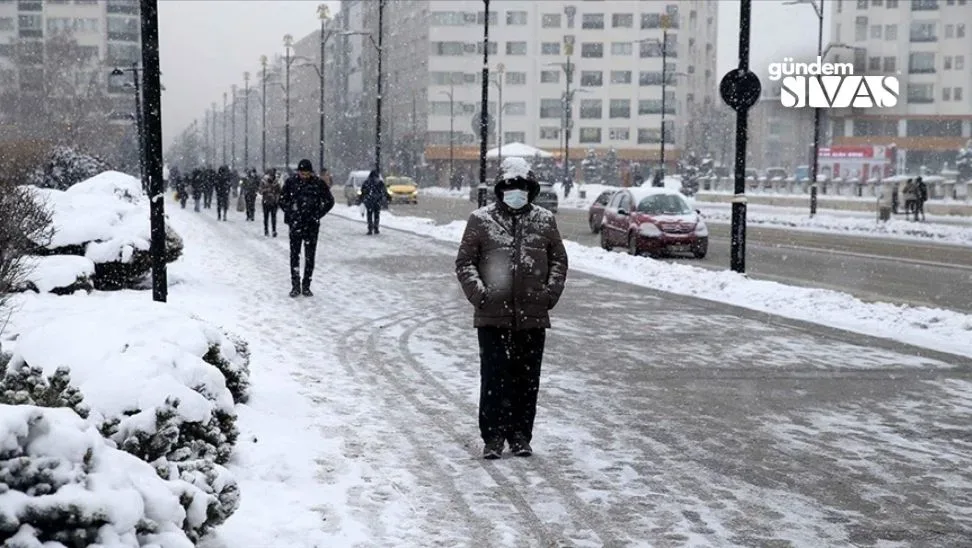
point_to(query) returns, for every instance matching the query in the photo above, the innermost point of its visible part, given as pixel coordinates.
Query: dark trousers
(269, 214)
(374, 217)
(183, 197)
(920, 208)
(250, 202)
(509, 369)
(207, 199)
(306, 237)
(222, 206)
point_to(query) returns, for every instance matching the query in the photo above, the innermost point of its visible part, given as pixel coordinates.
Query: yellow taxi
(401, 190)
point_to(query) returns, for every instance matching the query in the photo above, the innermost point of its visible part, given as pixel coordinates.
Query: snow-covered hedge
(58, 274)
(65, 167)
(141, 370)
(63, 486)
(105, 219)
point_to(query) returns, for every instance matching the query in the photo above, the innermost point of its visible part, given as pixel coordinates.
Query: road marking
(917, 262)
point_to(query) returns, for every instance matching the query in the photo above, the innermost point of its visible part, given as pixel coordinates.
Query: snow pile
(58, 274)
(953, 234)
(62, 485)
(66, 167)
(106, 220)
(937, 329)
(153, 381)
(515, 168)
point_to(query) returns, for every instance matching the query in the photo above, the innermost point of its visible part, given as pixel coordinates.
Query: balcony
(31, 33)
(122, 6)
(923, 38)
(924, 5)
(921, 70)
(30, 5)
(123, 36)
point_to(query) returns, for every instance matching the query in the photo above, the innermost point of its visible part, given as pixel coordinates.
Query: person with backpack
(374, 194)
(305, 200)
(921, 196)
(270, 192)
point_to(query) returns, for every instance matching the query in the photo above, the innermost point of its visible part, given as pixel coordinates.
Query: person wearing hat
(512, 267)
(305, 200)
(374, 195)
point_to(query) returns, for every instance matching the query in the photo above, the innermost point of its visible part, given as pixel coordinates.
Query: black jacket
(304, 203)
(373, 192)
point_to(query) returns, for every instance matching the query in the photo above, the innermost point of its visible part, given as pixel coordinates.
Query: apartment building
(432, 71)
(927, 44)
(778, 136)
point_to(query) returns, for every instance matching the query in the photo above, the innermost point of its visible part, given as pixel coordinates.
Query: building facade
(778, 136)
(927, 44)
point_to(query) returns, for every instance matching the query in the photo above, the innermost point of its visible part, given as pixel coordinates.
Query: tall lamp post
(378, 47)
(483, 111)
(223, 124)
(246, 120)
(149, 11)
(568, 110)
(814, 164)
(324, 14)
(263, 125)
(233, 129)
(498, 82)
(139, 126)
(452, 129)
(215, 134)
(288, 44)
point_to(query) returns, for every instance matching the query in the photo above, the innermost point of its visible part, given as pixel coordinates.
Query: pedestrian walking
(921, 196)
(270, 199)
(223, 183)
(251, 185)
(305, 200)
(512, 267)
(182, 188)
(374, 195)
(909, 195)
(208, 187)
(197, 188)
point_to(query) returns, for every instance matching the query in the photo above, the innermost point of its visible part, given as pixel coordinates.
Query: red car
(595, 214)
(653, 221)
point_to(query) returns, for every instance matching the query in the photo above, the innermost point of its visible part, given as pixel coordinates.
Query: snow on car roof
(640, 193)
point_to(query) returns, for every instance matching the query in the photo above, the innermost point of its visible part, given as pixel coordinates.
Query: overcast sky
(207, 45)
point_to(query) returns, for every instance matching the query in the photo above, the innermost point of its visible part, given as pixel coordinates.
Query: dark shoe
(493, 449)
(370, 232)
(520, 447)
(307, 292)
(275, 234)
(265, 233)
(295, 292)
(377, 231)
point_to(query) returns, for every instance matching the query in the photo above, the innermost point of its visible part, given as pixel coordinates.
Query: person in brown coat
(512, 267)
(270, 192)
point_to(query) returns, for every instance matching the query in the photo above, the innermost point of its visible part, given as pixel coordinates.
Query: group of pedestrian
(915, 194)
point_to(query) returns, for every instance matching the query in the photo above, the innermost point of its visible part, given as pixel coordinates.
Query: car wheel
(700, 251)
(595, 228)
(605, 245)
(633, 245)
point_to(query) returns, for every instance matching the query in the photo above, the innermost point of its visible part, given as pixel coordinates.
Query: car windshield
(663, 204)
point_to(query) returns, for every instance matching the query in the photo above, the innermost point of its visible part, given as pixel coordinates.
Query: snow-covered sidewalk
(937, 229)
(936, 329)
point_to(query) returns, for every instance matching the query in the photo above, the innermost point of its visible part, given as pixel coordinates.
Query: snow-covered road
(663, 421)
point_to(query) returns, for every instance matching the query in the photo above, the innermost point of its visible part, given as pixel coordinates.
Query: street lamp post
(814, 163)
(246, 120)
(568, 110)
(452, 129)
(223, 125)
(215, 134)
(324, 14)
(139, 120)
(484, 114)
(263, 126)
(233, 130)
(288, 44)
(149, 10)
(500, 69)
(381, 27)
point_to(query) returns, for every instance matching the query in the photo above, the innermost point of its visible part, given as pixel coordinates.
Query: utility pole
(263, 126)
(381, 34)
(288, 43)
(484, 114)
(215, 134)
(660, 179)
(568, 110)
(223, 120)
(414, 159)
(499, 111)
(324, 13)
(153, 136)
(816, 116)
(233, 140)
(246, 120)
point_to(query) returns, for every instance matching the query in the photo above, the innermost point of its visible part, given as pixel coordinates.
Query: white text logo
(831, 85)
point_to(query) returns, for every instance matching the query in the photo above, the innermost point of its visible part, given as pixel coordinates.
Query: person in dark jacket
(270, 192)
(512, 267)
(197, 187)
(373, 196)
(208, 187)
(921, 196)
(224, 183)
(181, 184)
(305, 200)
(251, 185)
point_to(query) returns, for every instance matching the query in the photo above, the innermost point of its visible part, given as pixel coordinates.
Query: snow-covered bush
(63, 486)
(28, 386)
(105, 219)
(65, 167)
(57, 274)
(235, 367)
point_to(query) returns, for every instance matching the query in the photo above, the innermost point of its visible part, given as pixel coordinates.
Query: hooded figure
(921, 196)
(305, 200)
(270, 190)
(251, 185)
(224, 180)
(512, 267)
(373, 196)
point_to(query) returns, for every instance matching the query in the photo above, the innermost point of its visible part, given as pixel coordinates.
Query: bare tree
(25, 224)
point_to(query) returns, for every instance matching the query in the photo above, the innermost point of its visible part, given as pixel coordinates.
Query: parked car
(547, 198)
(401, 190)
(595, 214)
(654, 221)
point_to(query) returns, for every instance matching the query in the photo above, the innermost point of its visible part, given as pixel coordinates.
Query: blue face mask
(516, 199)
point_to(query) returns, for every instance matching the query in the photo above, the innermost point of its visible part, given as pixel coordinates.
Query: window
(123, 28)
(493, 18)
(924, 5)
(622, 20)
(447, 19)
(862, 4)
(550, 48)
(921, 93)
(619, 134)
(592, 50)
(649, 136)
(874, 64)
(515, 78)
(960, 30)
(650, 49)
(590, 135)
(876, 2)
(550, 77)
(493, 48)
(892, 4)
(650, 21)
(959, 62)
(514, 137)
(890, 32)
(550, 21)
(516, 18)
(448, 48)
(550, 133)
(7, 23)
(923, 32)
(30, 22)
(934, 128)
(591, 109)
(517, 108)
(671, 11)
(620, 108)
(654, 106)
(551, 108)
(592, 78)
(921, 63)
(622, 48)
(957, 94)
(890, 64)
(119, 54)
(946, 94)
(592, 21)
(620, 76)
(516, 48)
(876, 31)
(949, 31)
(860, 29)
(948, 63)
